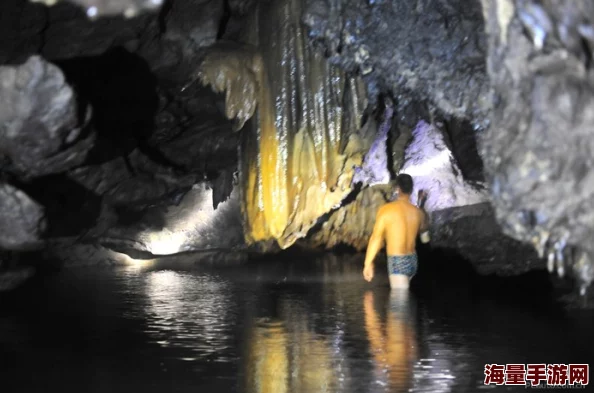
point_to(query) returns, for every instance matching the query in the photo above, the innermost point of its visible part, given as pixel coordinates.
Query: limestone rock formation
(474, 233)
(304, 82)
(21, 219)
(433, 167)
(43, 128)
(434, 49)
(298, 153)
(194, 224)
(538, 150)
(376, 168)
(452, 203)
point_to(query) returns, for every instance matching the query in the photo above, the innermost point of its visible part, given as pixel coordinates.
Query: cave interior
(225, 132)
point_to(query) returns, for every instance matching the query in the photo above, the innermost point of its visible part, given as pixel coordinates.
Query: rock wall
(194, 224)
(538, 150)
(298, 153)
(432, 49)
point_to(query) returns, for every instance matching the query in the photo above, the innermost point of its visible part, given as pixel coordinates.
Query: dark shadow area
(462, 140)
(445, 270)
(123, 93)
(350, 198)
(299, 317)
(70, 208)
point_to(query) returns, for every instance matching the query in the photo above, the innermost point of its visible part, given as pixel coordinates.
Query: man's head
(404, 184)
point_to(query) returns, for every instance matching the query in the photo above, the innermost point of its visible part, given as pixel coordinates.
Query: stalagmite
(300, 148)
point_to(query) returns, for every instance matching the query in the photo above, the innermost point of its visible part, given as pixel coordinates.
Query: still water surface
(309, 325)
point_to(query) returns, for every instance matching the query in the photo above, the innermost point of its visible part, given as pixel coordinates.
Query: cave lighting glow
(166, 243)
(434, 169)
(194, 215)
(127, 260)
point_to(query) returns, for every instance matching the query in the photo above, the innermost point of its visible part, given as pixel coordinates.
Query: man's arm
(376, 242)
(424, 229)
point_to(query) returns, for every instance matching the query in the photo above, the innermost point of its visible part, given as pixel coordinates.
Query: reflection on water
(303, 326)
(287, 357)
(392, 340)
(188, 311)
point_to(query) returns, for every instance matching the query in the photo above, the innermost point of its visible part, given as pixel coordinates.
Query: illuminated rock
(42, 131)
(375, 168)
(433, 168)
(352, 223)
(298, 152)
(431, 163)
(194, 224)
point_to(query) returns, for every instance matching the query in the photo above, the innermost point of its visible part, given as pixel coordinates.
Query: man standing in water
(398, 223)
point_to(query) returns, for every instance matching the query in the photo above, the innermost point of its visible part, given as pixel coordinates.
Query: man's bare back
(401, 222)
(397, 225)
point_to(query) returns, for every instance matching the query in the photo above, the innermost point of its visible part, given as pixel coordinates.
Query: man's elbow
(425, 236)
(375, 241)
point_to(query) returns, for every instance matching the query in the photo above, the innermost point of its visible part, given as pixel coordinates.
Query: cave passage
(187, 189)
(288, 324)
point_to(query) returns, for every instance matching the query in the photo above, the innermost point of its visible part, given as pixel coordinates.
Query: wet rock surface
(101, 125)
(44, 130)
(434, 49)
(538, 150)
(192, 224)
(474, 233)
(21, 219)
(98, 125)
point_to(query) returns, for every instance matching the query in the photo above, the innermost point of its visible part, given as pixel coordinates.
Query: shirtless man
(398, 223)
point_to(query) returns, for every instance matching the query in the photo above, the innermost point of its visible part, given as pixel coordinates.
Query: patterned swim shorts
(403, 264)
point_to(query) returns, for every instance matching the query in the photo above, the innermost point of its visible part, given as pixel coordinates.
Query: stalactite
(300, 148)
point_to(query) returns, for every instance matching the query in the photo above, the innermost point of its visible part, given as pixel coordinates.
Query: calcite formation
(434, 169)
(298, 153)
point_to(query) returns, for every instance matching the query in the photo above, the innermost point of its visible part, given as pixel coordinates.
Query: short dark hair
(405, 183)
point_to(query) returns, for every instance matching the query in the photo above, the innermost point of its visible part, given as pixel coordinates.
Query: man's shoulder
(390, 207)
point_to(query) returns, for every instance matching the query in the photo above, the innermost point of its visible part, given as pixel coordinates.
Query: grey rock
(474, 233)
(12, 279)
(192, 225)
(433, 49)
(40, 131)
(21, 219)
(538, 149)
